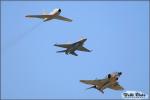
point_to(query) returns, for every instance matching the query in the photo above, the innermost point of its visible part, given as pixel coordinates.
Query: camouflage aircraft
(71, 48)
(109, 82)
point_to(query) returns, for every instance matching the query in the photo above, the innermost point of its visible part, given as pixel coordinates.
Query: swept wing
(83, 49)
(99, 83)
(39, 16)
(116, 86)
(63, 18)
(63, 45)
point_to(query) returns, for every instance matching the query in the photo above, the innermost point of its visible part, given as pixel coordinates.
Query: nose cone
(84, 40)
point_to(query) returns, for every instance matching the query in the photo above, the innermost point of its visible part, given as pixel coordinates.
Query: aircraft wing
(98, 83)
(83, 49)
(63, 18)
(116, 86)
(38, 16)
(63, 45)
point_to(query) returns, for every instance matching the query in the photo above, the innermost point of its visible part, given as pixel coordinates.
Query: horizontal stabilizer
(61, 51)
(73, 53)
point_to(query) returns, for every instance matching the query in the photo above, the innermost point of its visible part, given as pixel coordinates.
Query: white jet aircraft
(55, 14)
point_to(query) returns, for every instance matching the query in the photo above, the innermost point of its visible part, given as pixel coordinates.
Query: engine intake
(59, 10)
(109, 75)
(117, 78)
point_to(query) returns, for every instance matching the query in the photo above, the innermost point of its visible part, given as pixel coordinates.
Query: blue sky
(117, 32)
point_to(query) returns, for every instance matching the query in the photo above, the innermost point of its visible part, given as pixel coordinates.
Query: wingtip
(55, 44)
(27, 16)
(57, 52)
(70, 20)
(82, 81)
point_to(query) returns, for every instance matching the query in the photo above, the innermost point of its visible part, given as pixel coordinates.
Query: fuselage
(112, 78)
(75, 46)
(53, 14)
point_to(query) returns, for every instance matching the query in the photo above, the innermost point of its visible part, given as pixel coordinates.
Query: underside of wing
(98, 83)
(63, 18)
(38, 16)
(116, 86)
(63, 45)
(83, 49)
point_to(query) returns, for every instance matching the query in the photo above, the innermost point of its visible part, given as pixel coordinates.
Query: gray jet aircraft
(109, 82)
(71, 48)
(55, 14)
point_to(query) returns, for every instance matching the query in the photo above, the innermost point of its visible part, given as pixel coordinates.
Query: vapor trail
(23, 35)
